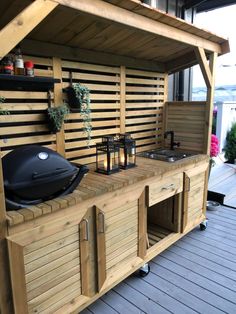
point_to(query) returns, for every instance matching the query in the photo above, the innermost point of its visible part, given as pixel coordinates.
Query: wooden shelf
(27, 83)
(156, 234)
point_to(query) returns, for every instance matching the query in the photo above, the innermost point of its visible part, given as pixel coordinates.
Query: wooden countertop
(95, 184)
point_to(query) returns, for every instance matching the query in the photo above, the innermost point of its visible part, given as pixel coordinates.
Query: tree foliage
(230, 147)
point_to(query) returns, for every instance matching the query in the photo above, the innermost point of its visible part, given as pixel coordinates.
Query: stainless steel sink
(165, 155)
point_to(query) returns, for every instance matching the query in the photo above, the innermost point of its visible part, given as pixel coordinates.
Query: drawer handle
(169, 187)
(86, 238)
(101, 222)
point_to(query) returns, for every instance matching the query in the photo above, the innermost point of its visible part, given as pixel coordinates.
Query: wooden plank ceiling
(69, 27)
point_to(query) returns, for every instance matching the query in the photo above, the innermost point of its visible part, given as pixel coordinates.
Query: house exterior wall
(180, 84)
(226, 116)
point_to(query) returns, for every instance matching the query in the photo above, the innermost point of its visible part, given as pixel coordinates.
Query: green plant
(230, 147)
(3, 111)
(56, 116)
(83, 97)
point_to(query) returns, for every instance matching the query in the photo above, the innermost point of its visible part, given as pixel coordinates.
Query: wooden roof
(115, 28)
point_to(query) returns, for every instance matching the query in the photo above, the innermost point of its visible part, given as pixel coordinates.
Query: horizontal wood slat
(142, 115)
(145, 92)
(104, 85)
(26, 124)
(52, 270)
(187, 120)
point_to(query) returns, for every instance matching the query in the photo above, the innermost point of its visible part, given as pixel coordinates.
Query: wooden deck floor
(195, 275)
(223, 181)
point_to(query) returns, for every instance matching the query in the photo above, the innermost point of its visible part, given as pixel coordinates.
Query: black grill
(34, 174)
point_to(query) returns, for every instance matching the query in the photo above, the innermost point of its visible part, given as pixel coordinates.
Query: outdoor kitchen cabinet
(164, 208)
(129, 93)
(194, 200)
(50, 265)
(63, 261)
(119, 237)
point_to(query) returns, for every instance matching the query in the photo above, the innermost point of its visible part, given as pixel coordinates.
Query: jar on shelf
(7, 65)
(29, 68)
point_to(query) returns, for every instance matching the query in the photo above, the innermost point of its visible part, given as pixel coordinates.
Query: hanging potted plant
(79, 101)
(56, 116)
(3, 111)
(76, 95)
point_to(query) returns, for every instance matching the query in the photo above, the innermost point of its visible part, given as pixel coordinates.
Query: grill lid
(35, 173)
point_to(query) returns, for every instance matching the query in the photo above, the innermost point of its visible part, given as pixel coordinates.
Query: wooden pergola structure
(125, 34)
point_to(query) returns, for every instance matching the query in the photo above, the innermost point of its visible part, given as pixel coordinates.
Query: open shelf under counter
(156, 234)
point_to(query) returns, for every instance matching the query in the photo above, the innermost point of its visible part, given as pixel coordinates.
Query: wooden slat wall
(144, 107)
(26, 123)
(104, 85)
(122, 100)
(187, 120)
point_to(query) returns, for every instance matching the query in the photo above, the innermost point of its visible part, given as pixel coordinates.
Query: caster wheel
(144, 270)
(203, 225)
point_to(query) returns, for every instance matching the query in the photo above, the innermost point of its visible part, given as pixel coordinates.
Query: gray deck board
(204, 299)
(145, 303)
(231, 201)
(206, 263)
(223, 180)
(207, 248)
(215, 257)
(149, 289)
(102, 308)
(197, 274)
(118, 302)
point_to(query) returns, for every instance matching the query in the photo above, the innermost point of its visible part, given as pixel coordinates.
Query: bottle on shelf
(18, 62)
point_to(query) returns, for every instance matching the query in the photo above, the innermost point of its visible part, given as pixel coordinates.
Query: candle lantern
(127, 151)
(107, 156)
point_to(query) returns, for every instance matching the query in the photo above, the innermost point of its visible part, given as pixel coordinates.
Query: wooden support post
(206, 72)
(58, 100)
(23, 24)
(209, 105)
(6, 306)
(122, 99)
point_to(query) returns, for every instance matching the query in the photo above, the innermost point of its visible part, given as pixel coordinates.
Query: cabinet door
(195, 191)
(50, 266)
(118, 239)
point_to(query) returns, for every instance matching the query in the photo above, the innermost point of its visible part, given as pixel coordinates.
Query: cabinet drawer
(158, 191)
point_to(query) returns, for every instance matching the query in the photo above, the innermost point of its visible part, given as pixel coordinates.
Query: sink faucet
(172, 143)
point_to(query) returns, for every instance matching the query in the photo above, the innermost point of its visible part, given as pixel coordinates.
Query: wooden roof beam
(46, 49)
(204, 65)
(128, 18)
(181, 63)
(23, 24)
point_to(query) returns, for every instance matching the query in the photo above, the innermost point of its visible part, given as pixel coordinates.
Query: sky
(223, 23)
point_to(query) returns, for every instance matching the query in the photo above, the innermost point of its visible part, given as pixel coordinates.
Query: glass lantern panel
(102, 161)
(115, 159)
(131, 155)
(122, 156)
